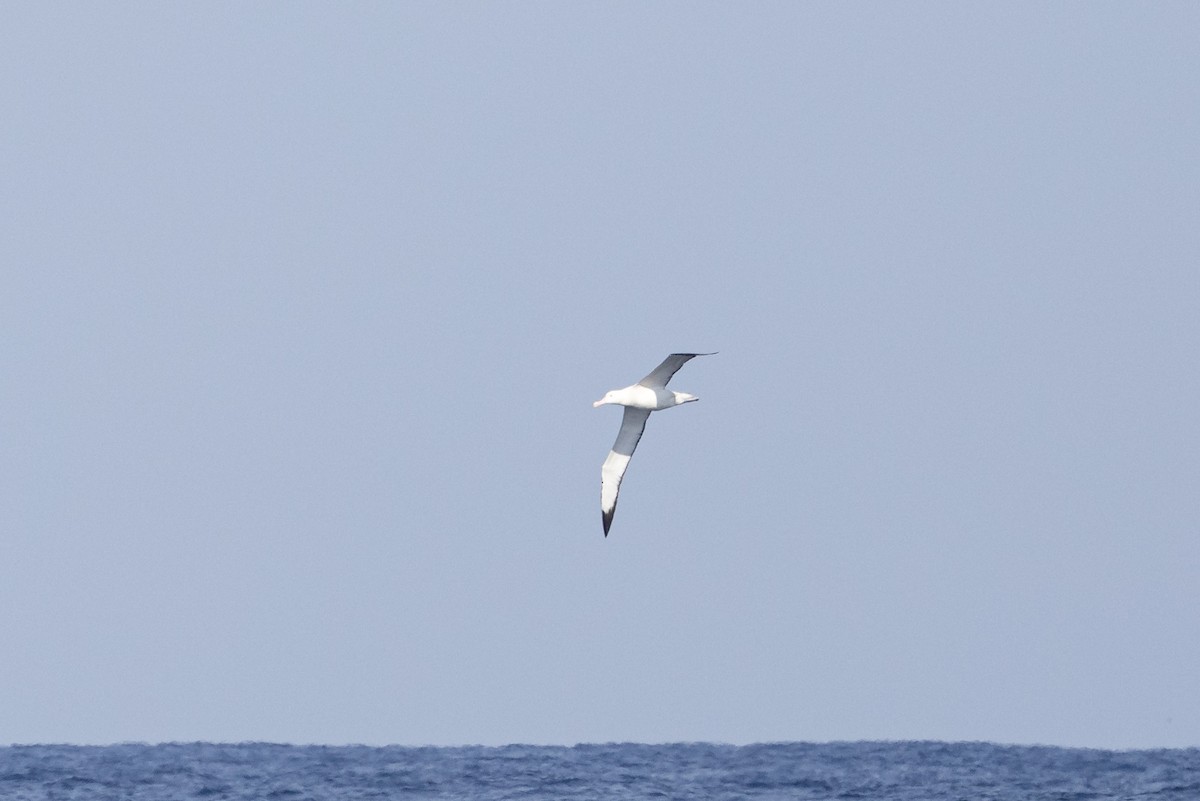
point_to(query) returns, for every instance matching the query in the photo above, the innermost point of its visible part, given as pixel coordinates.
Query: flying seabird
(648, 395)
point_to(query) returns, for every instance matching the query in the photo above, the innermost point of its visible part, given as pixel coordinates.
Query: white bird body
(648, 395)
(649, 398)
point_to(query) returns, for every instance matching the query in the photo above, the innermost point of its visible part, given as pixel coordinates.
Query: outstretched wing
(662, 374)
(632, 426)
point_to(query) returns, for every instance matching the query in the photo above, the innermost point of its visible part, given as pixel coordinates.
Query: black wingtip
(607, 518)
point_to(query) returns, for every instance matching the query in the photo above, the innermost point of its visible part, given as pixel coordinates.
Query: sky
(304, 307)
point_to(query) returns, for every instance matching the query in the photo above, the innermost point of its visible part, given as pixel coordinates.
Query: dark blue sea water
(894, 770)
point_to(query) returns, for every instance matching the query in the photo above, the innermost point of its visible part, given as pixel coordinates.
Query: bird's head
(609, 397)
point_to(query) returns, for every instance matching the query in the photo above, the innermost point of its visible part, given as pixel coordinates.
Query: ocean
(883, 771)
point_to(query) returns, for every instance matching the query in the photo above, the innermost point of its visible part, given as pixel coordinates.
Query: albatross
(648, 395)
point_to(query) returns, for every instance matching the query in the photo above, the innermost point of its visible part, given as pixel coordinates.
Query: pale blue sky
(304, 307)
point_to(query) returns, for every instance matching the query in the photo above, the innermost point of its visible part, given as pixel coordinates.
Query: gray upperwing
(659, 377)
(632, 425)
